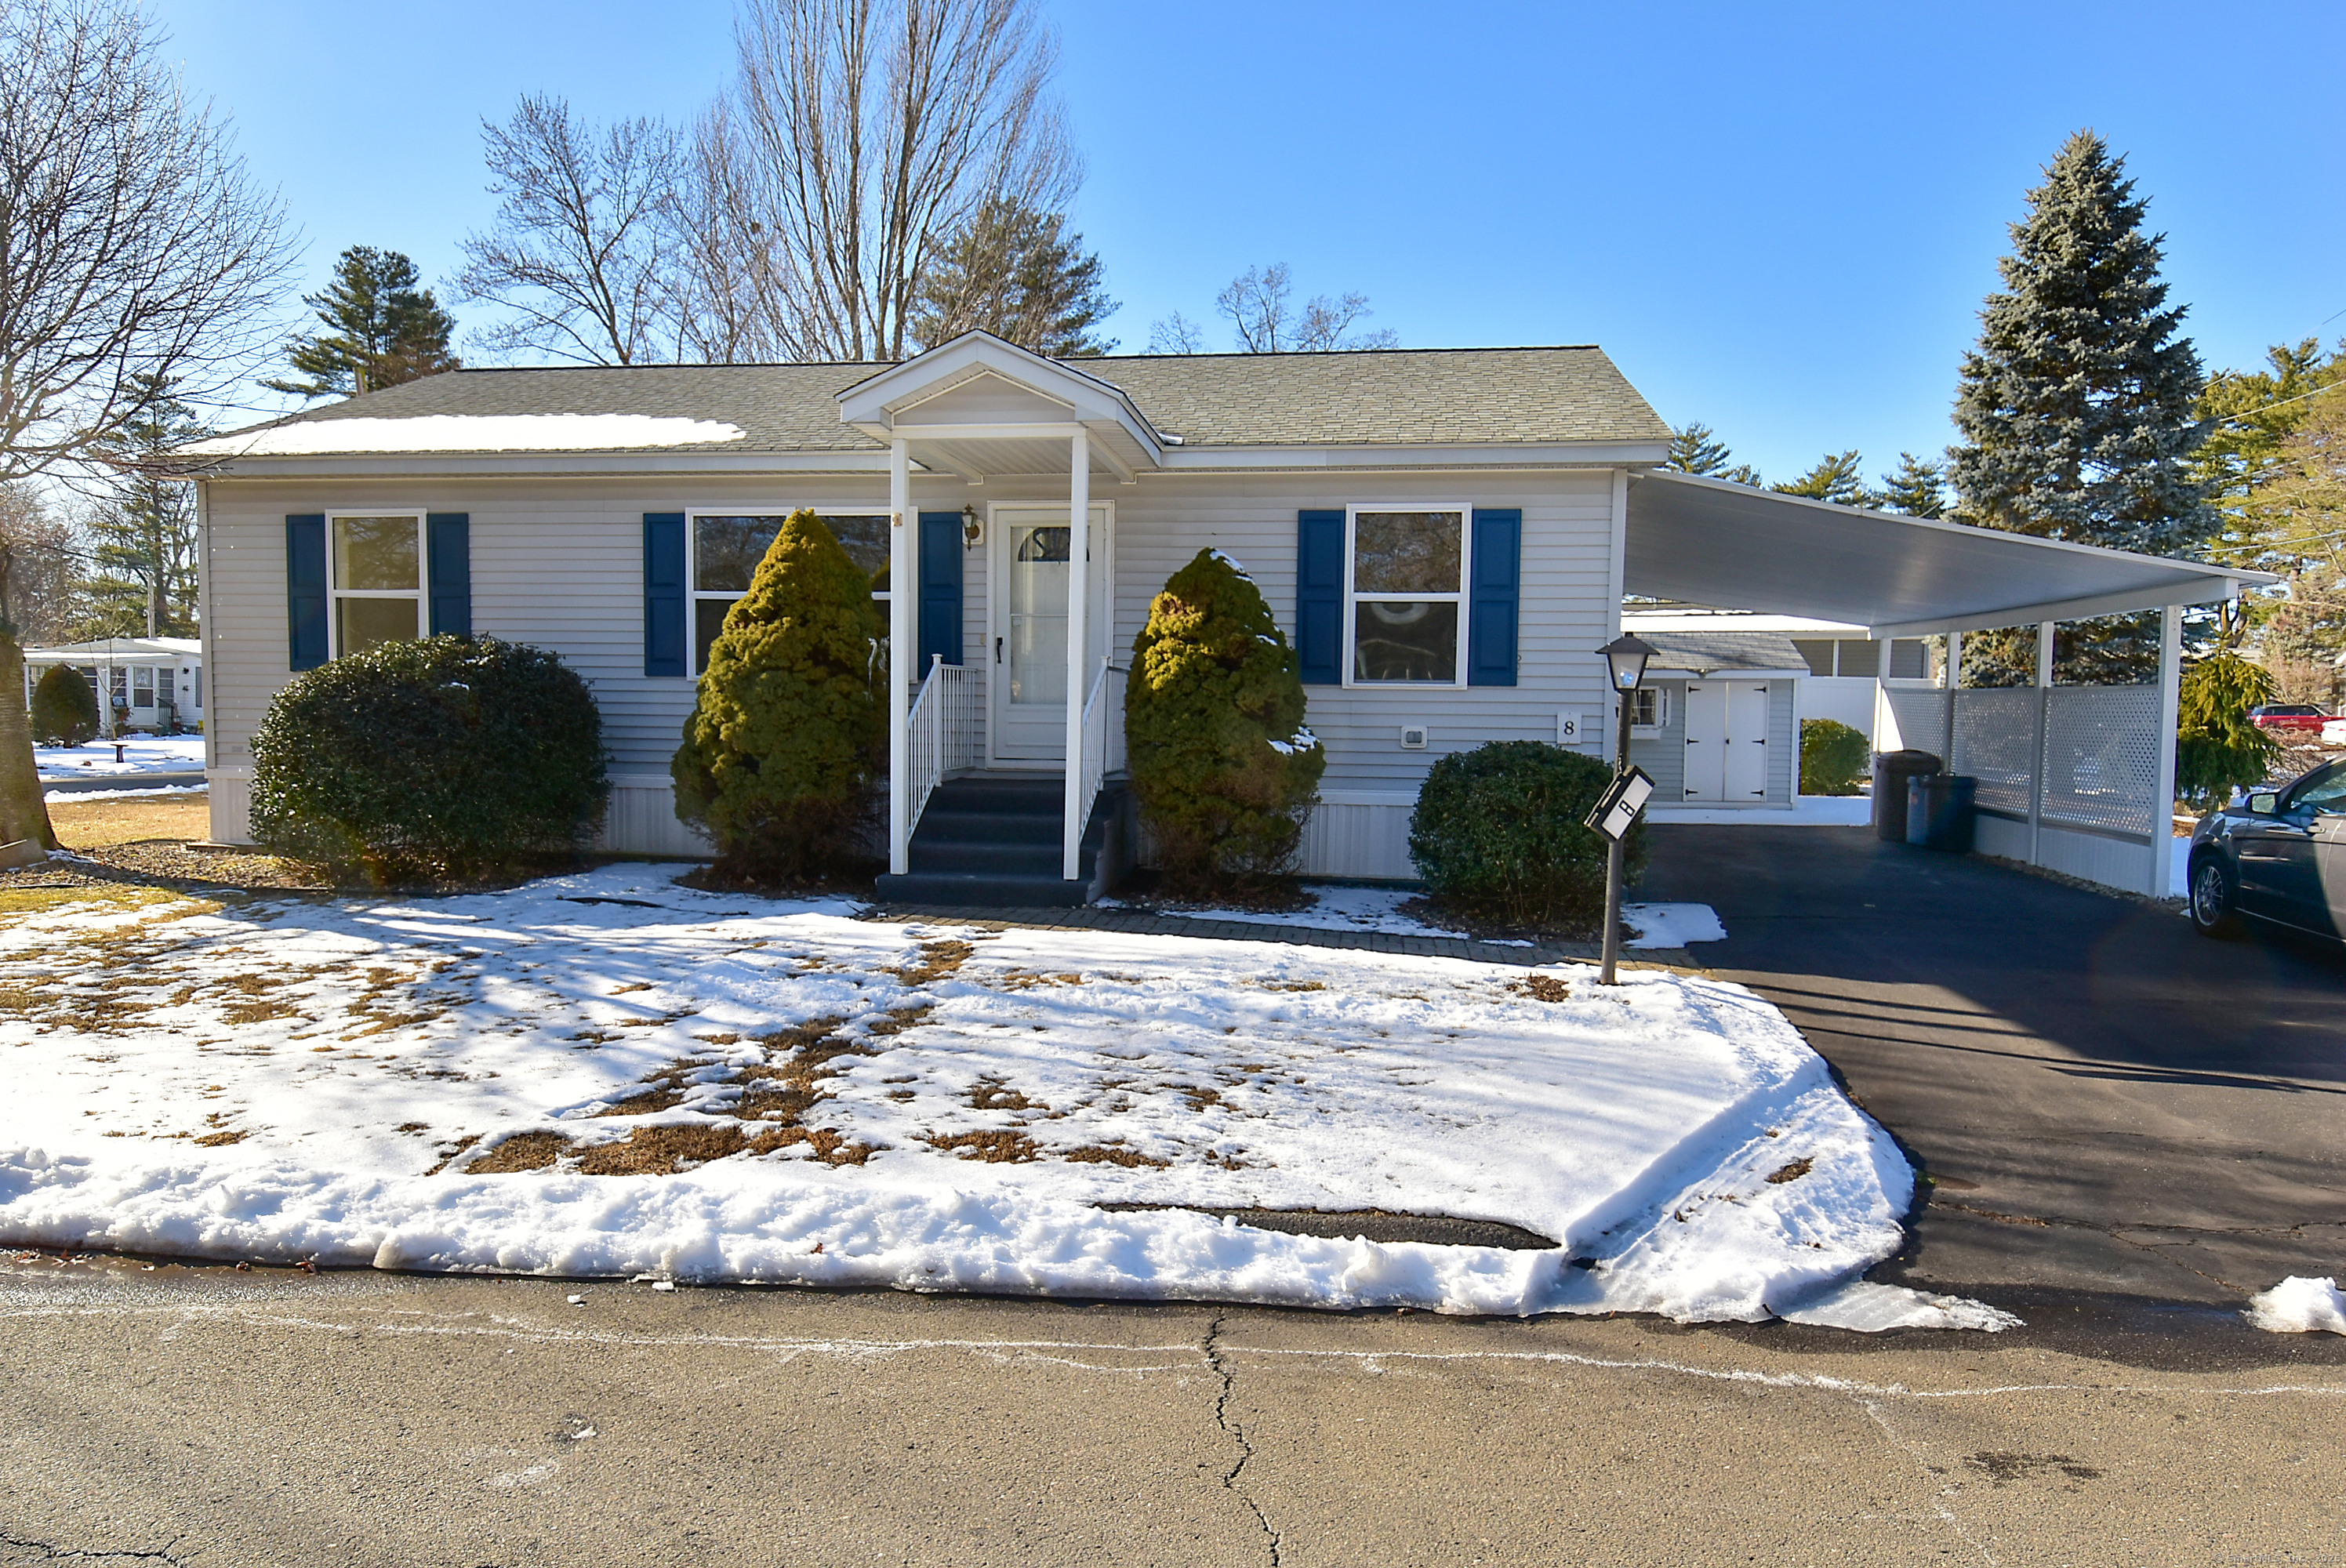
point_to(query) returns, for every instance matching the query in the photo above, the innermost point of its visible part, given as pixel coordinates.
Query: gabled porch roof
(1711, 543)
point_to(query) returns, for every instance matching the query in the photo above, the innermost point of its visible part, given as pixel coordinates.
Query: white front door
(1726, 742)
(1027, 586)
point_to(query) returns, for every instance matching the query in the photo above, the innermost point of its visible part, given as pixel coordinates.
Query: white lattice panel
(1921, 718)
(1996, 739)
(2101, 757)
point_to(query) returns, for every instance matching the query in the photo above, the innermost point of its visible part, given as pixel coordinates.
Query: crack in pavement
(2184, 1233)
(1213, 1349)
(1946, 1515)
(52, 1553)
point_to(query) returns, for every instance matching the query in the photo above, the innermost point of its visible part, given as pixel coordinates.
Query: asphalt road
(2109, 1105)
(199, 1416)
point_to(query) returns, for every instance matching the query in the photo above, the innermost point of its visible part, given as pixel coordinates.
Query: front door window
(1038, 650)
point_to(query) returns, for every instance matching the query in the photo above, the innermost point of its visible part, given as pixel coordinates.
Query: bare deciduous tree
(1176, 334)
(858, 133)
(42, 562)
(135, 253)
(1256, 304)
(581, 252)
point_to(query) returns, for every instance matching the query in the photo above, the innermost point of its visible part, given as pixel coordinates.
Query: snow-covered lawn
(141, 754)
(1336, 907)
(610, 1075)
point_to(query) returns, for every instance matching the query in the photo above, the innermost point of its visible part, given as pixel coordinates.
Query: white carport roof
(1712, 542)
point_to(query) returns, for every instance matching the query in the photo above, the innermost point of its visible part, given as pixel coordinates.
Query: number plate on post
(1616, 810)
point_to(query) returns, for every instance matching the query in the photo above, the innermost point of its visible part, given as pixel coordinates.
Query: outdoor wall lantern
(1624, 799)
(973, 527)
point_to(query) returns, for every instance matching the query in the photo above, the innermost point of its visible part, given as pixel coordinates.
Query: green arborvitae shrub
(1833, 756)
(1497, 836)
(442, 757)
(1223, 769)
(782, 759)
(65, 709)
(2217, 748)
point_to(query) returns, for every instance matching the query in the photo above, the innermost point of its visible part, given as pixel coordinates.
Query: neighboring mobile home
(140, 682)
(1444, 534)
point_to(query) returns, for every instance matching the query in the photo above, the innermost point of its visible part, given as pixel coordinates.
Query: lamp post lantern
(1624, 663)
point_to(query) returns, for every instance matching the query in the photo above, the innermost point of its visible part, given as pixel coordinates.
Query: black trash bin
(1939, 811)
(1891, 770)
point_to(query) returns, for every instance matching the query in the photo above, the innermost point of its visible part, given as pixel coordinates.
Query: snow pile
(919, 1106)
(152, 791)
(1672, 925)
(468, 432)
(140, 754)
(2299, 1306)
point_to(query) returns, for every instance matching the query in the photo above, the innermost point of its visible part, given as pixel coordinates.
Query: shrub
(1832, 757)
(65, 708)
(1497, 835)
(448, 757)
(782, 759)
(2218, 748)
(1223, 769)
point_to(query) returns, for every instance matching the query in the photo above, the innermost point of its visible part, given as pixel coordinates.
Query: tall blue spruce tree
(2077, 408)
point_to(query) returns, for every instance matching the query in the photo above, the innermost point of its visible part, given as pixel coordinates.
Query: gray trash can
(1939, 814)
(1891, 770)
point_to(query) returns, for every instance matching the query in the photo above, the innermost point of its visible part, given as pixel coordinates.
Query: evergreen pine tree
(1020, 274)
(2077, 407)
(1838, 477)
(1697, 450)
(143, 579)
(1918, 488)
(380, 330)
(784, 749)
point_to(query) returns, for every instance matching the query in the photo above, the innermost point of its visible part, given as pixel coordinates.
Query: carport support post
(2036, 758)
(1955, 680)
(2170, 692)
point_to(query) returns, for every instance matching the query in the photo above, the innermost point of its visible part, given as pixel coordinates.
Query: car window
(2325, 794)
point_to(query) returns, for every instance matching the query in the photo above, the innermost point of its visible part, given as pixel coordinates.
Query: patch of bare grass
(1542, 988)
(938, 959)
(1001, 1147)
(95, 824)
(522, 1152)
(1111, 1154)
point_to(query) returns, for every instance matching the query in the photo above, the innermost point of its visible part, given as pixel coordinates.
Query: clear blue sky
(1780, 221)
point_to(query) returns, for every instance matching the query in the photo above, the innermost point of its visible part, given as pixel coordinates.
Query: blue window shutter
(1494, 592)
(666, 628)
(940, 611)
(305, 591)
(1319, 596)
(448, 540)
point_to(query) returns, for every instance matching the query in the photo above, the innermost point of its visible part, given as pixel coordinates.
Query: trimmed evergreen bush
(1497, 836)
(1832, 757)
(1223, 769)
(2217, 747)
(444, 756)
(65, 708)
(782, 760)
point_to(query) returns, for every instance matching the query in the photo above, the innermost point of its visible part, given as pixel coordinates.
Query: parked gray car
(2278, 854)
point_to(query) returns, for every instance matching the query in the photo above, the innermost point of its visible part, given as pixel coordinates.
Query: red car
(2289, 719)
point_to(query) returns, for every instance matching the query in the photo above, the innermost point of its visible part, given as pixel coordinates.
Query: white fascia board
(1725, 673)
(2194, 590)
(1547, 455)
(876, 399)
(1735, 621)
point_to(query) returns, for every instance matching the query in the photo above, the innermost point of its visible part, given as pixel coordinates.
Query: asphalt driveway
(2108, 1104)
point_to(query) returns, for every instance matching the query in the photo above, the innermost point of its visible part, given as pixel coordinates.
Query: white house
(140, 682)
(1446, 535)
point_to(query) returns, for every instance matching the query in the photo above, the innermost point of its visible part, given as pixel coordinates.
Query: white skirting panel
(231, 792)
(2089, 856)
(1357, 834)
(2000, 837)
(641, 820)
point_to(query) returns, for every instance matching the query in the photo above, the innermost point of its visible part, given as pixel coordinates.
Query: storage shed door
(1727, 741)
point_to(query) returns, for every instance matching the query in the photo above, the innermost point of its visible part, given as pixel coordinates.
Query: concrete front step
(962, 890)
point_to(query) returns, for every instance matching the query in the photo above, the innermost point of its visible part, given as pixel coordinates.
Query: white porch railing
(943, 730)
(1103, 738)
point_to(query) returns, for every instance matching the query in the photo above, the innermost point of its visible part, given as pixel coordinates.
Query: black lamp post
(1624, 663)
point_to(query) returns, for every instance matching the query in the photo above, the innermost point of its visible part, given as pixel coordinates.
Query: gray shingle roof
(1702, 653)
(1401, 397)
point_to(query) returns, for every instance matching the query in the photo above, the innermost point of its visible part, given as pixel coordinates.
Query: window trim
(1661, 724)
(1349, 650)
(334, 595)
(693, 593)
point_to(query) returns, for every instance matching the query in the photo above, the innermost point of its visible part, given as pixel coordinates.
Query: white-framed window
(142, 687)
(375, 571)
(1405, 595)
(725, 547)
(1650, 712)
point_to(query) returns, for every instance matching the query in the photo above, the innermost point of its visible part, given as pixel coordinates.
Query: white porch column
(1079, 582)
(903, 652)
(2170, 689)
(1955, 683)
(2044, 630)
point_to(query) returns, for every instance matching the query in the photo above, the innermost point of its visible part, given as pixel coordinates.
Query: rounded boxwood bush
(1497, 836)
(783, 759)
(65, 708)
(445, 756)
(1833, 756)
(1223, 770)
